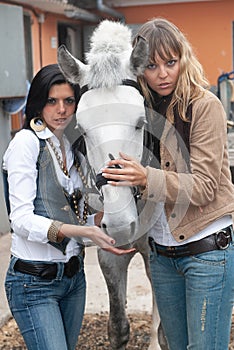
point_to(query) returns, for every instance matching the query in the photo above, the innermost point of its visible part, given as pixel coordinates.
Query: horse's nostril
(104, 228)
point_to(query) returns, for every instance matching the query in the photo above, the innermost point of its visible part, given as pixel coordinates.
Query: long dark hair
(39, 91)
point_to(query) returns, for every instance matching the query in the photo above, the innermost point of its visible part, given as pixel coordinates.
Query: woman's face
(162, 75)
(60, 107)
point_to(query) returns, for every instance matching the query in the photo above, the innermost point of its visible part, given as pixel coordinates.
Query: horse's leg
(157, 340)
(154, 341)
(114, 269)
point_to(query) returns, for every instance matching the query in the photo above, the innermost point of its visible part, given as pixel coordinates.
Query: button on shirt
(29, 237)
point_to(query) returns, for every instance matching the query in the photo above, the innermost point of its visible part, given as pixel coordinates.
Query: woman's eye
(51, 101)
(171, 62)
(70, 100)
(151, 66)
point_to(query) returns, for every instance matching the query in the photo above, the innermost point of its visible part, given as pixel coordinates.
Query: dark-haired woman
(45, 282)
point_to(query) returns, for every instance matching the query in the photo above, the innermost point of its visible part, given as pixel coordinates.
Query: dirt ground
(93, 334)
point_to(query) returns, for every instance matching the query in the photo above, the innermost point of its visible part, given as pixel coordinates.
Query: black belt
(218, 240)
(49, 271)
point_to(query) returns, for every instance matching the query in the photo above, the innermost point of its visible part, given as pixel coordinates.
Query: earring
(37, 124)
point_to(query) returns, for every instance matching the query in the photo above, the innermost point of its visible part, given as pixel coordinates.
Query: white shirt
(161, 233)
(29, 237)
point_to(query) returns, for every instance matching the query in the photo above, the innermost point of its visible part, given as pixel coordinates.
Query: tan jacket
(194, 199)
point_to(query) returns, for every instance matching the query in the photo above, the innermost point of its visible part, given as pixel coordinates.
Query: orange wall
(207, 25)
(35, 43)
(42, 45)
(49, 30)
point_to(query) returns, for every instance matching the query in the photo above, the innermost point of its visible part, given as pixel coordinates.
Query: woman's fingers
(125, 156)
(119, 251)
(107, 243)
(130, 172)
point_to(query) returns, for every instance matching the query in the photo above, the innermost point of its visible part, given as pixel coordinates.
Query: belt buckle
(223, 239)
(170, 249)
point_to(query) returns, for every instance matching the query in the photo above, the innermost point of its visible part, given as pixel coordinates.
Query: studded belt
(216, 241)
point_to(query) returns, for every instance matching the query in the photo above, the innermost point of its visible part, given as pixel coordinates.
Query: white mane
(108, 58)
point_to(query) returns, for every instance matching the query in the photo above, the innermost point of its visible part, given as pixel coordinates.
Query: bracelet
(53, 231)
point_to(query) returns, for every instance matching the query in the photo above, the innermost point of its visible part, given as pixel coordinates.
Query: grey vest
(52, 201)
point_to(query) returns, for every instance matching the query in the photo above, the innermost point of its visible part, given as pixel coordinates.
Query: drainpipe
(41, 20)
(82, 15)
(105, 9)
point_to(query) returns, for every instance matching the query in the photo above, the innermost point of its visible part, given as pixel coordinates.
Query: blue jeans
(49, 313)
(195, 298)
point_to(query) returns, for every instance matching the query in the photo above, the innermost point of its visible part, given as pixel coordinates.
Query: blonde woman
(191, 248)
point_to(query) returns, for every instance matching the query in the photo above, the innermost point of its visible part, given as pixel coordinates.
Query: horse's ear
(139, 56)
(72, 68)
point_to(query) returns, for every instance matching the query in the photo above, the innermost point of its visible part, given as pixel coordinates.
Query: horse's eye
(141, 122)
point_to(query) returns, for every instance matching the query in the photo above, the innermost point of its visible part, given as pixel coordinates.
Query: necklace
(59, 159)
(82, 220)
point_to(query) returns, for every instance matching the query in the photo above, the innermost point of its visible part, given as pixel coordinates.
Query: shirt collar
(44, 134)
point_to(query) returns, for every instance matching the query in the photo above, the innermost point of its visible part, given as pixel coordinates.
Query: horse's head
(111, 114)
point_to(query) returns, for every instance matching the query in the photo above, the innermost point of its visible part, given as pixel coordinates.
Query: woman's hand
(131, 173)
(95, 234)
(104, 241)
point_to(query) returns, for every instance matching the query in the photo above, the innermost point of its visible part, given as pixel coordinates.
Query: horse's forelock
(110, 50)
(111, 36)
(106, 70)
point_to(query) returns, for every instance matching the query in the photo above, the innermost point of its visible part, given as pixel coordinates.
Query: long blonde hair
(166, 40)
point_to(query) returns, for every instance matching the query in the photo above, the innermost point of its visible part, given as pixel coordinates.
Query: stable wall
(45, 37)
(207, 25)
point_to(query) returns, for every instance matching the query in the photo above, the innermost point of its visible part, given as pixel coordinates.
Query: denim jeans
(48, 313)
(195, 298)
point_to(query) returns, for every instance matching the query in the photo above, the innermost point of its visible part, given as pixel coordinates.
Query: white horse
(111, 117)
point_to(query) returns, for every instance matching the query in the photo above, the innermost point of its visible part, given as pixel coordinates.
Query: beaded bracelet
(53, 231)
